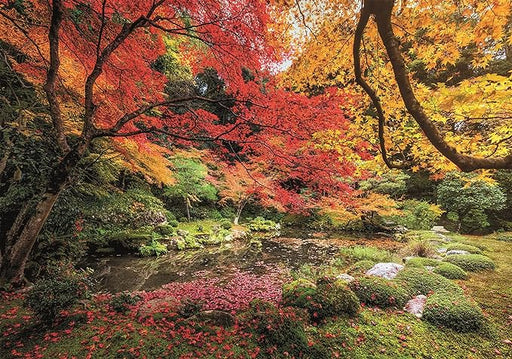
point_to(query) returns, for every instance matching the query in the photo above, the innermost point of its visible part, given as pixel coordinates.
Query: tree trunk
(23, 237)
(239, 212)
(187, 205)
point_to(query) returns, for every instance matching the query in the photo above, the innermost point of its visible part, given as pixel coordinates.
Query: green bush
(379, 292)
(450, 271)
(48, 297)
(455, 312)
(504, 237)
(417, 214)
(155, 248)
(282, 328)
(471, 262)
(421, 262)
(122, 301)
(361, 267)
(463, 247)
(333, 298)
(226, 224)
(419, 281)
(472, 200)
(298, 293)
(359, 253)
(165, 230)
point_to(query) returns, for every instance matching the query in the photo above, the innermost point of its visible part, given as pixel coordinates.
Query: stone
(385, 270)
(430, 268)
(456, 251)
(346, 277)
(439, 229)
(416, 305)
(441, 250)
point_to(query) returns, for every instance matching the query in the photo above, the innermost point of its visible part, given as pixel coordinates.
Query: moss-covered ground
(93, 330)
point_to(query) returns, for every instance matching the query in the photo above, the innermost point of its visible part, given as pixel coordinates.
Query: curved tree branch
(382, 9)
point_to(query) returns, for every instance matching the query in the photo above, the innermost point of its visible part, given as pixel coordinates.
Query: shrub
(379, 292)
(276, 327)
(361, 267)
(226, 224)
(454, 312)
(471, 262)
(419, 249)
(359, 253)
(260, 224)
(450, 271)
(421, 262)
(121, 302)
(463, 247)
(155, 248)
(333, 298)
(173, 223)
(504, 237)
(299, 293)
(165, 230)
(48, 297)
(419, 281)
(471, 199)
(418, 214)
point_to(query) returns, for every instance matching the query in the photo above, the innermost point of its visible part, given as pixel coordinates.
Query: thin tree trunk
(187, 205)
(23, 234)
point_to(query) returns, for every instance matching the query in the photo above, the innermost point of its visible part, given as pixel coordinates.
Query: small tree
(191, 182)
(470, 199)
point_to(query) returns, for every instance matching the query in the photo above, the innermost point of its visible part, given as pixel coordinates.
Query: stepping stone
(439, 229)
(416, 305)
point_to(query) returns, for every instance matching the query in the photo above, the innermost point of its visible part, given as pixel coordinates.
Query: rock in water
(385, 270)
(415, 305)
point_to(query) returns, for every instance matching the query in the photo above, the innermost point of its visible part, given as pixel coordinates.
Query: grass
(374, 333)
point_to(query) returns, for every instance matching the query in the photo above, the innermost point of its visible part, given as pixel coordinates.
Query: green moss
(334, 298)
(419, 281)
(450, 271)
(453, 311)
(298, 293)
(379, 292)
(154, 248)
(359, 253)
(421, 262)
(463, 247)
(360, 267)
(471, 262)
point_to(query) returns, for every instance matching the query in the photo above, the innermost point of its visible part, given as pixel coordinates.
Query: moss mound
(450, 271)
(334, 298)
(419, 281)
(463, 247)
(298, 293)
(453, 311)
(422, 262)
(360, 267)
(471, 262)
(379, 292)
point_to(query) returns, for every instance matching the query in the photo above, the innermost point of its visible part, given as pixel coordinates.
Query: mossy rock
(379, 292)
(419, 281)
(165, 230)
(298, 293)
(361, 267)
(450, 271)
(421, 262)
(453, 311)
(471, 262)
(334, 298)
(463, 247)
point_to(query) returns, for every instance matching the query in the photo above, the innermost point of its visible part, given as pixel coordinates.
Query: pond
(133, 273)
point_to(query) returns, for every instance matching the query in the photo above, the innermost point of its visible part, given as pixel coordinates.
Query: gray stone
(416, 305)
(440, 229)
(456, 251)
(441, 250)
(385, 270)
(346, 277)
